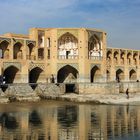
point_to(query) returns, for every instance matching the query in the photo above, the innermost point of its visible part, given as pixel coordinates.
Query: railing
(95, 57)
(67, 56)
(31, 57)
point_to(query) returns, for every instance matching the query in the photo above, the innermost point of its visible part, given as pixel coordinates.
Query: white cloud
(118, 21)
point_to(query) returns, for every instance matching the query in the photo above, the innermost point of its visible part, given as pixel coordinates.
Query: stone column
(84, 67)
(126, 71)
(11, 51)
(24, 50)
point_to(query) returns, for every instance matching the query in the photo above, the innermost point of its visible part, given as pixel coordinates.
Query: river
(50, 120)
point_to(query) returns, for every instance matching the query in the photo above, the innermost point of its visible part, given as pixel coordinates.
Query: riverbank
(114, 93)
(98, 98)
(71, 97)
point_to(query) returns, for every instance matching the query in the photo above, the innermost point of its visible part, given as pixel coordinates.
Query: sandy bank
(87, 98)
(98, 98)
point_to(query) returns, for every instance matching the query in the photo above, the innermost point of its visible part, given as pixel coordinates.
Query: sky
(119, 18)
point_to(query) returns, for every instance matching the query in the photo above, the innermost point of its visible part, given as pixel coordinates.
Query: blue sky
(119, 18)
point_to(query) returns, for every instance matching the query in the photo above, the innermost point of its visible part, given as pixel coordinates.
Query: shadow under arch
(67, 74)
(132, 75)
(95, 74)
(30, 50)
(17, 48)
(34, 75)
(119, 75)
(10, 74)
(4, 51)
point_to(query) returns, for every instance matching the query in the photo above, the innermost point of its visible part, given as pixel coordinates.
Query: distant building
(68, 54)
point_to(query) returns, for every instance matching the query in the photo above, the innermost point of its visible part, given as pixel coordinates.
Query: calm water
(68, 121)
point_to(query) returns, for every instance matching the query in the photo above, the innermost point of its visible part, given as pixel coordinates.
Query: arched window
(122, 57)
(4, 50)
(17, 51)
(67, 47)
(116, 55)
(129, 58)
(31, 51)
(94, 48)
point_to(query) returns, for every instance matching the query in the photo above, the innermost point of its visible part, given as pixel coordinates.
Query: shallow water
(68, 121)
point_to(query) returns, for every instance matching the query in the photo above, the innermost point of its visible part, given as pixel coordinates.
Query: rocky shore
(72, 97)
(26, 93)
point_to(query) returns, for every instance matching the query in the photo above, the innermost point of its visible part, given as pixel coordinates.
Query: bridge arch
(67, 74)
(95, 74)
(11, 74)
(132, 75)
(119, 75)
(4, 49)
(36, 75)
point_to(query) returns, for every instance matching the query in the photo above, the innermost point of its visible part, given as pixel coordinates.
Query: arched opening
(36, 75)
(132, 75)
(119, 75)
(116, 55)
(30, 51)
(4, 51)
(67, 46)
(135, 55)
(108, 56)
(11, 74)
(122, 58)
(129, 56)
(95, 74)
(17, 51)
(67, 74)
(94, 47)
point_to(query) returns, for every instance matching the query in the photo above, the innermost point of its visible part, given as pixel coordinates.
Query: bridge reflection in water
(68, 121)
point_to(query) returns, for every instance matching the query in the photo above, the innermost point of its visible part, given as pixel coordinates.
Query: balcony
(68, 57)
(95, 57)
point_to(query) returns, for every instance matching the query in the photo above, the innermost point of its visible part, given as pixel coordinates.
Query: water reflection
(61, 121)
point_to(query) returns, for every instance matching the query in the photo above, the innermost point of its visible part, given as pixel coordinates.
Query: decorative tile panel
(61, 65)
(34, 65)
(8, 64)
(61, 32)
(18, 40)
(30, 41)
(5, 39)
(93, 65)
(91, 33)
